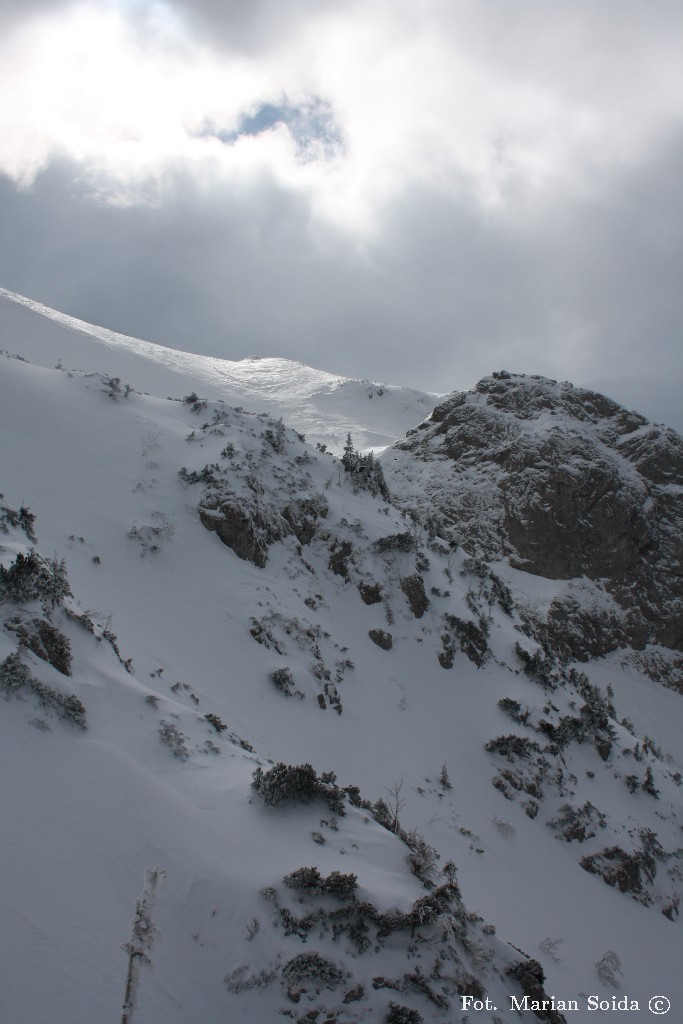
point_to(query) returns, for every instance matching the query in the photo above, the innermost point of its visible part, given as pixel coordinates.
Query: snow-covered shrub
(284, 681)
(577, 823)
(514, 709)
(305, 879)
(312, 968)
(112, 386)
(44, 640)
(23, 519)
(174, 740)
(365, 471)
(649, 785)
(608, 966)
(286, 782)
(471, 637)
(14, 675)
(404, 542)
(629, 872)
(195, 402)
(505, 828)
(210, 474)
(550, 947)
(539, 666)
(70, 709)
(398, 1014)
(417, 981)
(30, 577)
(381, 812)
(513, 747)
(422, 857)
(240, 981)
(276, 438)
(524, 970)
(343, 886)
(216, 722)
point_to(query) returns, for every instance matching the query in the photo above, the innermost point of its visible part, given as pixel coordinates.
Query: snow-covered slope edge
(320, 404)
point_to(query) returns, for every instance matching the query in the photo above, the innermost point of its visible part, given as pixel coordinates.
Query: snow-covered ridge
(324, 406)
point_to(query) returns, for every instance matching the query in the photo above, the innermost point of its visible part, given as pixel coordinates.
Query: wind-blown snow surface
(318, 403)
(87, 812)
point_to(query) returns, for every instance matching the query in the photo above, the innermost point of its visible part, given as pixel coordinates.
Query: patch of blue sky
(311, 125)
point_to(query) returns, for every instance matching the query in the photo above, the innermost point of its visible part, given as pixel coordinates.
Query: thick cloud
(416, 193)
(256, 26)
(12, 12)
(446, 293)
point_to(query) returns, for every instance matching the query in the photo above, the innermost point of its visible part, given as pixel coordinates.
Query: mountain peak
(563, 483)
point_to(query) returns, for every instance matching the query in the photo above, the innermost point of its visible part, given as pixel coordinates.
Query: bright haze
(419, 191)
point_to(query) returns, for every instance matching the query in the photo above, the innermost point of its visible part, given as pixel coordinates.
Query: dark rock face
(382, 639)
(339, 557)
(249, 527)
(569, 511)
(371, 593)
(241, 528)
(564, 483)
(414, 589)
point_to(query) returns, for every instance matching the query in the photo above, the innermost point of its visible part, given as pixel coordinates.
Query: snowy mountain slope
(143, 498)
(318, 403)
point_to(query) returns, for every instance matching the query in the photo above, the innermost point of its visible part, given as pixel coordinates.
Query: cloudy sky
(416, 191)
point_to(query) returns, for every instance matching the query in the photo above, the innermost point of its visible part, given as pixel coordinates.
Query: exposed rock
(250, 526)
(395, 542)
(382, 639)
(371, 593)
(242, 527)
(583, 627)
(339, 556)
(414, 589)
(563, 483)
(302, 517)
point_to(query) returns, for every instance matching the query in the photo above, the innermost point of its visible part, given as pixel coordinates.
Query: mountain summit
(565, 484)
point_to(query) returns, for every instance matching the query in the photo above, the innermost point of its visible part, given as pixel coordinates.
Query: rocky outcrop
(563, 483)
(414, 589)
(249, 526)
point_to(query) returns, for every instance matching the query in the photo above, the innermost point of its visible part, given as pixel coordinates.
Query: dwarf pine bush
(365, 471)
(513, 747)
(14, 676)
(313, 968)
(398, 1014)
(30, 577)
(174, 740)
(299, 783)
(70, 709)
(309, 880)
